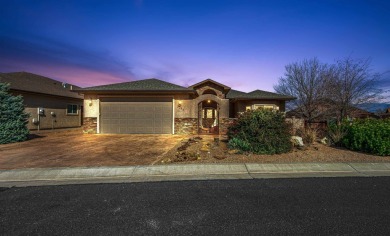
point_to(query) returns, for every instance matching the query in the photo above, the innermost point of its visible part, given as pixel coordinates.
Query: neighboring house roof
(256, 94)
(147, 85)
(354, 112)
(360, 113)
(24, 81)
(209, 81)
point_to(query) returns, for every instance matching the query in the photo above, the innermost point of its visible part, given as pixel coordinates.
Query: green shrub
(369, 135)
(13, 118)
(261, 132)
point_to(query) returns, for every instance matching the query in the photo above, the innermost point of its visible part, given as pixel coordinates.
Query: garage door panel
(136, 115)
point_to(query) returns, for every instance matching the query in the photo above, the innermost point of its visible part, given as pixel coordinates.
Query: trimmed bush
(13, 118)
(260, 131)
(369, 135)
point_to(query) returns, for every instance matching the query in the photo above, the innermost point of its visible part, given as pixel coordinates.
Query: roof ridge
(151, 84)
(209, 80)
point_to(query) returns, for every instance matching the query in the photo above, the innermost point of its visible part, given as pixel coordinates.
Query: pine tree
(13, 118)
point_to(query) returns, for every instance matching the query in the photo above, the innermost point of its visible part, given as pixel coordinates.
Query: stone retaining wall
(90, 125)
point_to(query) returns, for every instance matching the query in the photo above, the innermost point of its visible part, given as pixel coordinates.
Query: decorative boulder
(325, 141)
(297, 141)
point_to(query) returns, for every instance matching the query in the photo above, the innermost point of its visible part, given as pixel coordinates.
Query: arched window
(210, 91)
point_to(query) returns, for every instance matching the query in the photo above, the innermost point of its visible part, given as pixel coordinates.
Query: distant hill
(373, 107)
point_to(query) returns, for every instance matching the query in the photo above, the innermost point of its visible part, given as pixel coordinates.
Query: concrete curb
(80, 175)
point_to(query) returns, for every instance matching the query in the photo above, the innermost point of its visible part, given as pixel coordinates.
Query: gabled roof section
(24, 81)
(147, 85)
(209, 81)
(235, 94)
(256, 94)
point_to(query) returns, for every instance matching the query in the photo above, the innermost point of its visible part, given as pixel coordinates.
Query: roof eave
(46, 94)
(261, 98)
(133, 91)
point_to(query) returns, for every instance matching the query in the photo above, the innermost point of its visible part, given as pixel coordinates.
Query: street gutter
(181, 172)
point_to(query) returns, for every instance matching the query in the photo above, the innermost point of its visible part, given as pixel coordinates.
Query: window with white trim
(72, 109)
(266, 106)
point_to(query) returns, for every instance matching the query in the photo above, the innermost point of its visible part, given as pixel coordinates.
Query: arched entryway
(208, 117)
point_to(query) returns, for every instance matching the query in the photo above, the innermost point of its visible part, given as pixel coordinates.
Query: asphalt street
(304, 206)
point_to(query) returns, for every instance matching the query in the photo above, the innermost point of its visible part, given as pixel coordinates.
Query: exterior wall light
(180, 106)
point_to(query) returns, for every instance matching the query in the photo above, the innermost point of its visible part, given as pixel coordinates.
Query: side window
(72, 109)
(266, 106)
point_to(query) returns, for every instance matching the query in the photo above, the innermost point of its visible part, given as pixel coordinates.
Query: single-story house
(50, 103)
(153, 106)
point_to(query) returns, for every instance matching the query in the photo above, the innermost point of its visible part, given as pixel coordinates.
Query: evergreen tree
(13, 118)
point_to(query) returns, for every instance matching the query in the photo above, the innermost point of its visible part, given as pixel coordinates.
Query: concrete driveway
(72, 148)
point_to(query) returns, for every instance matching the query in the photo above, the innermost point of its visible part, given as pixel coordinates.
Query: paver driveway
(72, 148)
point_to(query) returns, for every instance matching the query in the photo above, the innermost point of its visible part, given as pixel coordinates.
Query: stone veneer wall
(224, 124)
(186, 125)
(90, 125)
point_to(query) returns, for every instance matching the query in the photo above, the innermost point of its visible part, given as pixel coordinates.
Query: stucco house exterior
(50, 103)
(154, 106)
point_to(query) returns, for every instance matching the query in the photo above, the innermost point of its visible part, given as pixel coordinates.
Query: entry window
(72, 109)
(208, 113)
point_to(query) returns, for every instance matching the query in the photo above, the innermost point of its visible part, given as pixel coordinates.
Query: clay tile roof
(257, 94)
(155, 85)
(24, 81)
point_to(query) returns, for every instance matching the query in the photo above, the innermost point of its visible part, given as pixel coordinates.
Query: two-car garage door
(136, 115)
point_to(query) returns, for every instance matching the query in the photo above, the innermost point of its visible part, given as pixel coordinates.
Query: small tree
(260, 131)
(351, 85)
(308, 82)
(13, 118)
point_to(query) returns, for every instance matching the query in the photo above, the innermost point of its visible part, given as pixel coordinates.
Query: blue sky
(243, 44)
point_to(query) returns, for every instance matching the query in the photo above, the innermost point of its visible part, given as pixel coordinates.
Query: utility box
(41, 111)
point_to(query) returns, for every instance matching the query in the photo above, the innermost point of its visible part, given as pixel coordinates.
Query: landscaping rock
(233, 151)
(325, 141)
(184, 146)
(186, 156)
(219, 157)
(205, 148)
(297, 141)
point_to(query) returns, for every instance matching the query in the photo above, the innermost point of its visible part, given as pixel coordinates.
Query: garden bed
(206, 150)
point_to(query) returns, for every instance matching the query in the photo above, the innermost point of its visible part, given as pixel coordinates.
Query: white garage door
(136, 115)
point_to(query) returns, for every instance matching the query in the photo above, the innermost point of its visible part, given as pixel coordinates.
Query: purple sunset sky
(243, 44)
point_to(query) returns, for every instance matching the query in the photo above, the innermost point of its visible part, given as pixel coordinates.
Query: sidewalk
(87, 175)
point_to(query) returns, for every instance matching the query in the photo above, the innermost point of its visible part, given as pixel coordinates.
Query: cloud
(44, 54)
